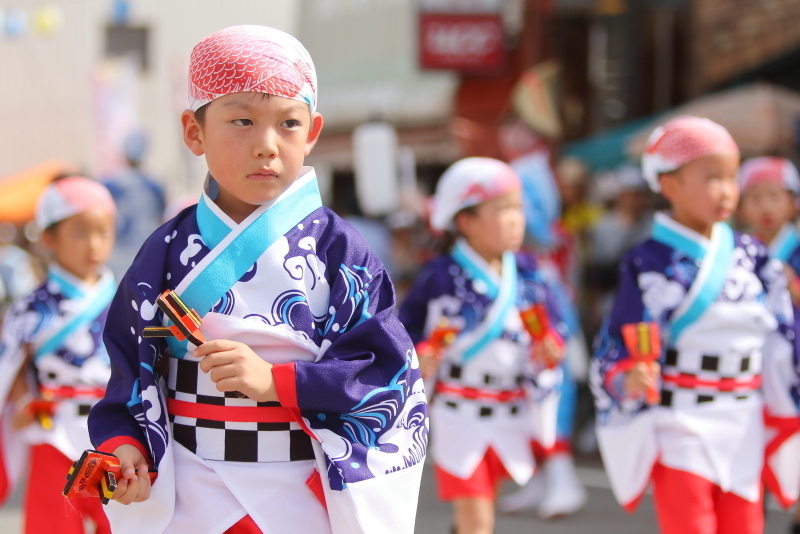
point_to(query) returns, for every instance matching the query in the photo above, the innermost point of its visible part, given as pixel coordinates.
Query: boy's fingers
(215, 345)
(221, 372)
(122, 487)
(130, 493)
(144, 483)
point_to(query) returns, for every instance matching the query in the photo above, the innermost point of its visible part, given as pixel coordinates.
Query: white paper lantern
(375, 165)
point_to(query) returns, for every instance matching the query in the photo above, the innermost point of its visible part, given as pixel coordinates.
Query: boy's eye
(242, 122)
(291, 123)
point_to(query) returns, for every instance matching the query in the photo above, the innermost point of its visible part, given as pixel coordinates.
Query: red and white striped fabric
(681, 141)
(251, 58)
(71, 196)
(768, 169)
(469, 182)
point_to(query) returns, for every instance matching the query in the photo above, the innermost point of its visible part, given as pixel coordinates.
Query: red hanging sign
(471, 43)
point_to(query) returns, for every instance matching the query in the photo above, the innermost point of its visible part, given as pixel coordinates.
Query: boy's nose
(266, 146)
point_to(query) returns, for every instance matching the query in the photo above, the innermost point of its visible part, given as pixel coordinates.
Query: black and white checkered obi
(495, 396)
(690, 378)
(222, 426)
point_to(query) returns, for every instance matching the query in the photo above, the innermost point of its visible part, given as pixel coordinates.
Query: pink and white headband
(681, 141)
(469, 182)
(251, 58)
(70, 196)
(768, 169)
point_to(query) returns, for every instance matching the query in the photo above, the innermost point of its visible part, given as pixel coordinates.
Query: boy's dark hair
(447, 240)
(200, 114)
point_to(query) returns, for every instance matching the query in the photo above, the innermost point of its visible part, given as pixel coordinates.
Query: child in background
(53, 365)
(304, 410)
(478, 289)
(768, 208)
(712, 309)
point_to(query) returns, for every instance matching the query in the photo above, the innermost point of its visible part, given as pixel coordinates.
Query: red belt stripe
(723, 384)
(508, 395)
(70, 392)
(233, 414)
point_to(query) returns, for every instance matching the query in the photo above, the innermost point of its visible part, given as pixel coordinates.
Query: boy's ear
(313, 131)
(192, 132)
(48, 239)
(668, 181)
(463, 223)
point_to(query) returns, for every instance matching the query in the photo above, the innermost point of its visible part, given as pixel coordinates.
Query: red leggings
(688, 504)
(245, 525)
(46, 510)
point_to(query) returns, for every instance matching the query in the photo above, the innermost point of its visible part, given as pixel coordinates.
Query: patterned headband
(681, 141)
(251, 58)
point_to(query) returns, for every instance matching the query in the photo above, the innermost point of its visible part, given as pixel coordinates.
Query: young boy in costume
(477, 292)
(53, 365)
(768, 208)
(304, 411)
(698, 347)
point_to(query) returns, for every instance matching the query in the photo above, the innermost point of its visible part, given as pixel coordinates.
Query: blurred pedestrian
(555, 489)
(698, 345)
(140, 203)
(476, 292)
(768, 208)
(53, 364)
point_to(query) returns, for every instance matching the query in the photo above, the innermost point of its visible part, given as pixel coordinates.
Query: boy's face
(82, 243)
(254, 146)
(766, 207)
(495, 226)
(704, 191)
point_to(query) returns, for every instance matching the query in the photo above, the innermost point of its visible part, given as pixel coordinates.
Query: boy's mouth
(263, 176)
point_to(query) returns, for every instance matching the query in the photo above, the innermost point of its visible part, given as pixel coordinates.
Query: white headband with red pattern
(681, 141)
(768, 169)
(251, 58)
(469, 182)
(71, 196)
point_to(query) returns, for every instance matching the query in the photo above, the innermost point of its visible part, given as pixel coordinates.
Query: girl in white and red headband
(464, 313)
(53, 364)
(698, 347)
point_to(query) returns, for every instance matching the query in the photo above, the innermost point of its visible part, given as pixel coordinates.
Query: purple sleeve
(112, 421)
(610, 354)
(360, 387)
(413, 313)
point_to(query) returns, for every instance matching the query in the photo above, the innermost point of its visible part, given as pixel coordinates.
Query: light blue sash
(90, 306)
(235, 251)
(785, 243)
(715, 259)
(505, 297)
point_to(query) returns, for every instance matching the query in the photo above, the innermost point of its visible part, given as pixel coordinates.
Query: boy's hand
(642, 377)
(793, 284)
(134, 482)
(233, 366)
(547, 352)
(22, 418)
(428, 359)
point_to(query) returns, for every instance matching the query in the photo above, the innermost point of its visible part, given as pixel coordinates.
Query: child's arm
(132, 388)
(618, 382)
(413, 314)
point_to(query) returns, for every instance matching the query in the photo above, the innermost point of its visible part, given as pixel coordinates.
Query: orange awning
(19, 192)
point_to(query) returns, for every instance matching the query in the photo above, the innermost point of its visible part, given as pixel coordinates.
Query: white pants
(211, 496)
